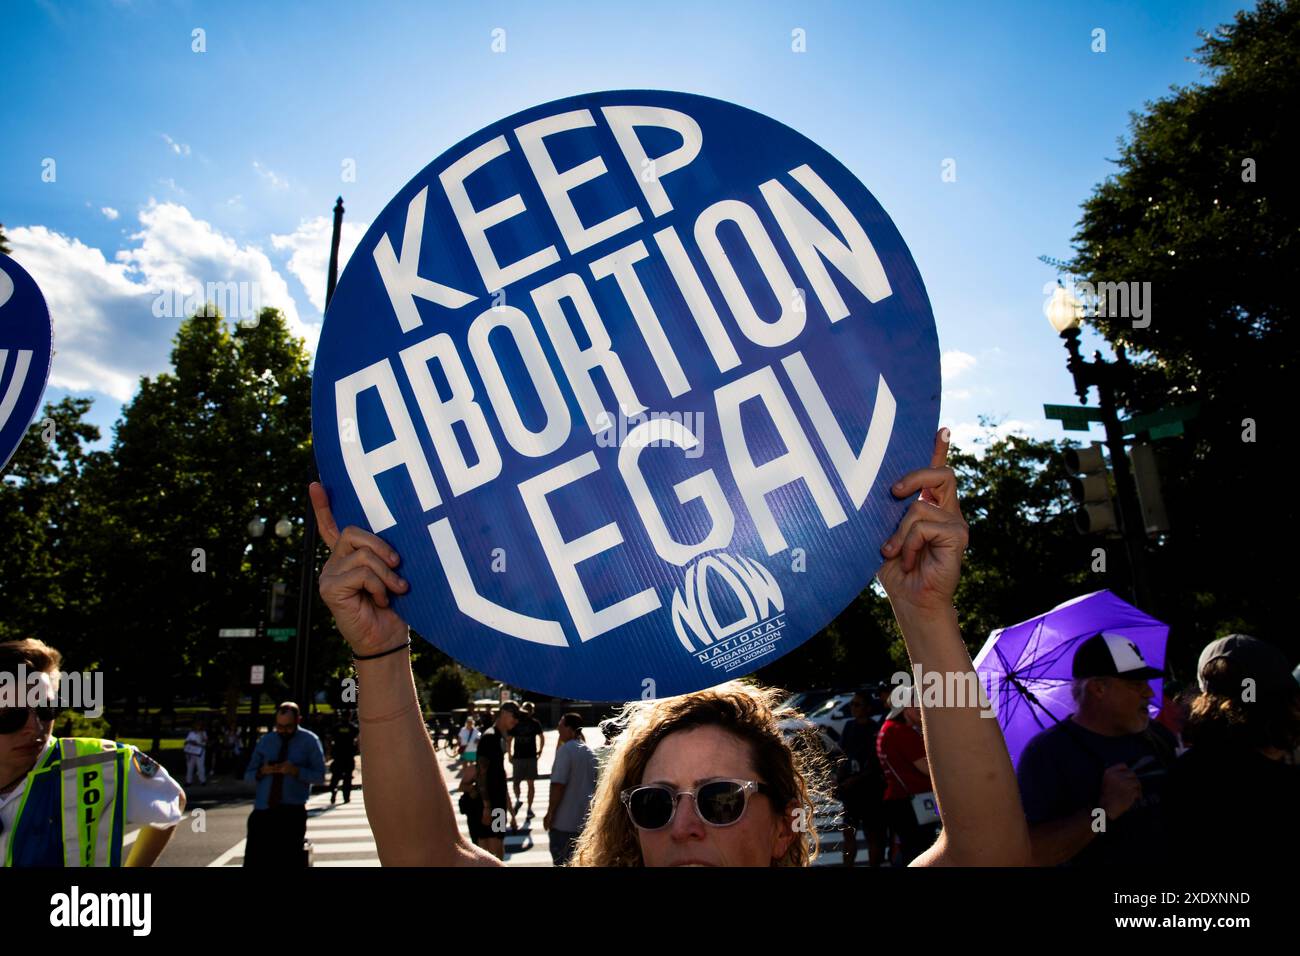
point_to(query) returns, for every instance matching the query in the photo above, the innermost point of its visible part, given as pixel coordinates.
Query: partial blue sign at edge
(478, 551)
(26, 347)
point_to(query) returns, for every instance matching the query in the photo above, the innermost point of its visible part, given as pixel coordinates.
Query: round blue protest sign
(625, 379)
(26, 338)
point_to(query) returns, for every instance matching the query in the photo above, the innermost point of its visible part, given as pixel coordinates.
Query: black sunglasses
(720, 803)
(14, 719)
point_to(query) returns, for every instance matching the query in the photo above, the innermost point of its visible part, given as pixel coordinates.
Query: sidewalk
(218, 788)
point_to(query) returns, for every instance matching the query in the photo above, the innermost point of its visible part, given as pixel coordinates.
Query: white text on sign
(465, 417)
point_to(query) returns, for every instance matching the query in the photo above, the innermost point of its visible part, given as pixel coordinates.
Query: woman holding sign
(750, 798)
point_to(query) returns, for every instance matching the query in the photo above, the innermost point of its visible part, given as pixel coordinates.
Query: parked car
(833, 713)
(807, 700)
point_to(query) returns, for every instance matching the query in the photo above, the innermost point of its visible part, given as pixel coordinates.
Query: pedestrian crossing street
(530, 845)
(341, 835)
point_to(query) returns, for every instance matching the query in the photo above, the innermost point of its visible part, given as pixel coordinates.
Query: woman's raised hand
(356, 580)
(923, 557)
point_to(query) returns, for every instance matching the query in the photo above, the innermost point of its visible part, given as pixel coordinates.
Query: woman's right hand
(356, 580)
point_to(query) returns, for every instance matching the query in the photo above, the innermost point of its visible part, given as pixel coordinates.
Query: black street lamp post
(307, 573)
(1064, 314)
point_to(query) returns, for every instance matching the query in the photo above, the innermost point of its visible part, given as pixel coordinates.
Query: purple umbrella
(1025, 668)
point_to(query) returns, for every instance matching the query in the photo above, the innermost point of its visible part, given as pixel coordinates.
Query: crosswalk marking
(371, 862)
(334, 831)
(350, 846)
(341, 836)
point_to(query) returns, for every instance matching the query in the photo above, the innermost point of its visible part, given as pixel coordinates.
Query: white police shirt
(153, 797)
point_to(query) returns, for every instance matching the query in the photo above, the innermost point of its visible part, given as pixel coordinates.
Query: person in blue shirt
(285, 763)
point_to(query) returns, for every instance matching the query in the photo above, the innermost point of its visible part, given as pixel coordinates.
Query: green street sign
(280, 635)
(1073, 418)
(1167, 431)
(1162, 424)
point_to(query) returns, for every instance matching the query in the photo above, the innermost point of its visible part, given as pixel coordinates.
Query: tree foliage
(1024, 558)
(446, 689)
(137, 556)
(49, 530)
(1201, 207)
(202, 450)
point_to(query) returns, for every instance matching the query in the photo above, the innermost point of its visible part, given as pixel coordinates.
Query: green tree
(1024, 558)
(447, 689)
(49, 529)
(201, 451)
(4, 245)
(1025, 555)
(1201, 207)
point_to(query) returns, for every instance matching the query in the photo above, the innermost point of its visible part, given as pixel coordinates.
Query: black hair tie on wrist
(391, 650)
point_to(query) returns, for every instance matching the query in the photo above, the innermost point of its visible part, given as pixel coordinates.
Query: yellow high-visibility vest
(73, 808)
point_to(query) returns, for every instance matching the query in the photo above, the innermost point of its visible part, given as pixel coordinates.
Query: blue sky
(172, 165)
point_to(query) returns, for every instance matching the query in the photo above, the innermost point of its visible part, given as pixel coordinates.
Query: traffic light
(1089, 483)
(279, 590)
(1146, 475)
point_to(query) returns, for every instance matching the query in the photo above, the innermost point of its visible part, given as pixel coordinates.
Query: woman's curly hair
(794, 772)
(1220, 715)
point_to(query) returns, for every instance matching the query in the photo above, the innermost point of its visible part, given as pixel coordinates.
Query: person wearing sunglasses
(701, 779)
(704, 779)
(44, 780)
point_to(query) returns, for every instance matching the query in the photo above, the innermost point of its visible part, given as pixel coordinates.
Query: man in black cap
(1091, 784)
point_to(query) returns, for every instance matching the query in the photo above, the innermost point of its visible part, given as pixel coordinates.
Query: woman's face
(682, 760)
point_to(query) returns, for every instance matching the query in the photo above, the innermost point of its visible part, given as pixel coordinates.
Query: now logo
(486, 374)
(751, 584)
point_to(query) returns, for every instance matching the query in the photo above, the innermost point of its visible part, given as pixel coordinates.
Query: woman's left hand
(923, 557)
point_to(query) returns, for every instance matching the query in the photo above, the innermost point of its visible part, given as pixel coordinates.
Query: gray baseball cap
(1251, 657)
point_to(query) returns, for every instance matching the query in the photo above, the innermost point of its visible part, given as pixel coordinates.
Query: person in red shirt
(901, 749)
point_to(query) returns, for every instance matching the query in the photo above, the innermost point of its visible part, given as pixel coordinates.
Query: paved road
(341, 835)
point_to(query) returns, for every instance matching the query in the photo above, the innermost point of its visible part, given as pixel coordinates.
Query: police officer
(67, 801)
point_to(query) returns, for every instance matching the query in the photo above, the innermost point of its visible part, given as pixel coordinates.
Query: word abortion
(463, 414)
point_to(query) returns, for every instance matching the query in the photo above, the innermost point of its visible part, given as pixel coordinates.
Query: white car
(833, 714)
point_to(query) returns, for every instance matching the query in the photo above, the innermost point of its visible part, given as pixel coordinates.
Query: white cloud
(180, 149)
(106, 332)
(109, 212)
(275, 180)
(973, 437)
(309, 248)
(954, 363)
